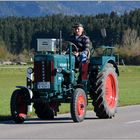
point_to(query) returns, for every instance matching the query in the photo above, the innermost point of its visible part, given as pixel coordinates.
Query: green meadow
(129, 85)
(11, 76)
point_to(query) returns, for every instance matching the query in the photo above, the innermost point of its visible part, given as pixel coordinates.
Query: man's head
(78, 29)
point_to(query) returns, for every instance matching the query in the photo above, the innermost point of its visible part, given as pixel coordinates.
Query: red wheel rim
(110, 91)
(81, 105)
(21, 106)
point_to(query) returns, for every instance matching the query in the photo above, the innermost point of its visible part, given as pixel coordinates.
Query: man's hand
(76, 54)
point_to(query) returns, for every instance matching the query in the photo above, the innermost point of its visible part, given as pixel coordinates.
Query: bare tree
(130, 38)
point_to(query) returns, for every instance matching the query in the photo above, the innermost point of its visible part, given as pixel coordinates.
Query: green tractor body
(56, 80)
(52, 75)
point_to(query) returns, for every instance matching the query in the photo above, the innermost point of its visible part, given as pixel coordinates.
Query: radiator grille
(43, 71)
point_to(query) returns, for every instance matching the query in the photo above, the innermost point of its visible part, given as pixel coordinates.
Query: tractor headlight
(59, 70)
(30, 70)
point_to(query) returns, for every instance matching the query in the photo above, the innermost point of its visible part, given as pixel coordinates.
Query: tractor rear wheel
(78, 105)
(105, 97)
(43, 110)
(18, 106)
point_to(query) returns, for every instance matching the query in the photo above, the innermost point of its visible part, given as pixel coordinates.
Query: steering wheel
(74, 48)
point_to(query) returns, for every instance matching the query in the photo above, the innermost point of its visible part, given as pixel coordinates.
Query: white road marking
(132, 122)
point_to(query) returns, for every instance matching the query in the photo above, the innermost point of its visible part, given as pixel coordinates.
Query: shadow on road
(5, 118)
(57, 120)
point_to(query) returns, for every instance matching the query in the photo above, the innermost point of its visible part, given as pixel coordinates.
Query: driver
(82, 42)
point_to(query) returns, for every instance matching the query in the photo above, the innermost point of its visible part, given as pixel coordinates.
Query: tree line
(20, 33)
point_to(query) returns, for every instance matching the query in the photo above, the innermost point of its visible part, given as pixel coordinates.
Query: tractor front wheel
(18, 106)
(78, 105)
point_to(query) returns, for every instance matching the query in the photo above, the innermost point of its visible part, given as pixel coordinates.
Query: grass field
(129, 85)
(10, 76)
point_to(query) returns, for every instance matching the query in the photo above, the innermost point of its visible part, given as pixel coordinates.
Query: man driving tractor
(82, 42)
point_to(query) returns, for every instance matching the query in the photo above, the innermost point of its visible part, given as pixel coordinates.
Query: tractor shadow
(56, 120)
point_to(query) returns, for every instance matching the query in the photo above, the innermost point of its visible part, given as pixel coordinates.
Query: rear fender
(115, 66)
(102, 61)
(113, 63)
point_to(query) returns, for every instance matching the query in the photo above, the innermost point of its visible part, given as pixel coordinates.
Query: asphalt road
(125, 125)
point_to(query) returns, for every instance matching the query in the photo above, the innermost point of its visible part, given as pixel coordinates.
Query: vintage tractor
(54, 79)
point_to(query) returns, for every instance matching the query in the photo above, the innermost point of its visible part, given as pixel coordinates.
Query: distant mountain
(42, 8)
